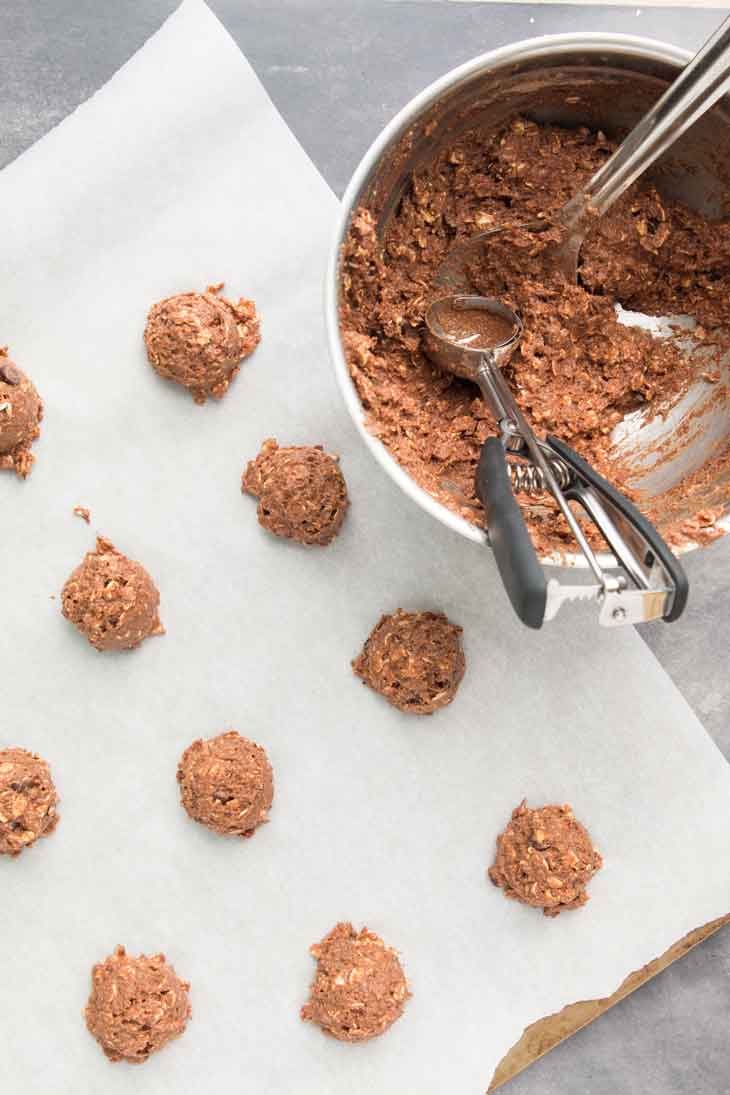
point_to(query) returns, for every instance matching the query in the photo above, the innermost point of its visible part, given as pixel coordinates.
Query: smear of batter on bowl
(578, 370)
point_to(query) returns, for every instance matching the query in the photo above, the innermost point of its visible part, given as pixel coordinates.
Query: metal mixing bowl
(605, 81)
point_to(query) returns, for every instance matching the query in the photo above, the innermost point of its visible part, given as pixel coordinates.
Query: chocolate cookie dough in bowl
(645, 399)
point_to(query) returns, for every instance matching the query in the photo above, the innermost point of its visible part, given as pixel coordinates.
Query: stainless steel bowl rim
(529, 49)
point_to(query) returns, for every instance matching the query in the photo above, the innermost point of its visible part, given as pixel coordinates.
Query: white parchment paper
(180, 173)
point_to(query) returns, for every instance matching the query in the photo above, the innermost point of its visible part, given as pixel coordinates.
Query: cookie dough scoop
(474, 337)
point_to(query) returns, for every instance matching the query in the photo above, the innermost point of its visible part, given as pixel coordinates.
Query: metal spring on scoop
(529, 479)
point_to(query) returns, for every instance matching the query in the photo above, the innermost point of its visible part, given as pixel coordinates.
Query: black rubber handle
(657, 545)
(518, 564)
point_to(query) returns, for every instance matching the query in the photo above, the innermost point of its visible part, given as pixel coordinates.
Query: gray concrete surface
(338, 70)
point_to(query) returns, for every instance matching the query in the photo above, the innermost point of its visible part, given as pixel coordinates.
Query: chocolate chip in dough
(9, 374)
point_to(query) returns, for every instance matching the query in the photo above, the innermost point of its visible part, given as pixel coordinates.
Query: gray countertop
(338, 70)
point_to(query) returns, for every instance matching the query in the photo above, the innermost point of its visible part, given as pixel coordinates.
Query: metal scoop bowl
(462, 354)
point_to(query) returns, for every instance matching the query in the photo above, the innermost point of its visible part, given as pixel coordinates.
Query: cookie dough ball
(28, 800)
(227, 784)
(112, 600)
(136, 1006)
(21, 412)
(199, 339)
(359, 989)
(414, 659)
(545, 858)
(301, 491)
